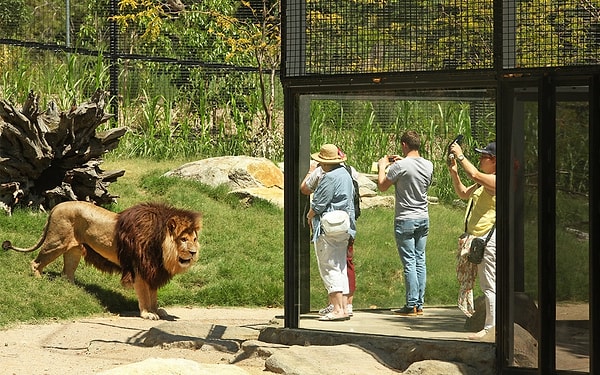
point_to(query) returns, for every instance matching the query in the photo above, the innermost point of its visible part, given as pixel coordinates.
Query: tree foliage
(13, 17)
(235, 33)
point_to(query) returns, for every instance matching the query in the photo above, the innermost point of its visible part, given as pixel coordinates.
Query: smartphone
(458, 139)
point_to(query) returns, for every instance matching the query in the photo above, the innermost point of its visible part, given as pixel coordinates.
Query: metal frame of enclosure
(518, 62)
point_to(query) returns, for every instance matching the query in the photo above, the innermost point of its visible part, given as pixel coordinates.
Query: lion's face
(181, 244)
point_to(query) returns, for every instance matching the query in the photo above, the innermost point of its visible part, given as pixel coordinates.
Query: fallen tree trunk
(50, 157)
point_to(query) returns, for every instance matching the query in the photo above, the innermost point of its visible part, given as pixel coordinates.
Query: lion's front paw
(154, 315)
(149, 315)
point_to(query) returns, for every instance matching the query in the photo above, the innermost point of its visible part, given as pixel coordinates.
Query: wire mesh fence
(196, 70)
(345, 37)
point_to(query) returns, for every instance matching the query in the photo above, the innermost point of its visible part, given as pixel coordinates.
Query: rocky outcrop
(248, 177)
(236, 172)
(393, 353)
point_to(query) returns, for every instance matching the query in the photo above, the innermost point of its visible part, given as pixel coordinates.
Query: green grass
(241, 257)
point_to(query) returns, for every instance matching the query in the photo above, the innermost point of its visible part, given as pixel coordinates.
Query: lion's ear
(172, 225)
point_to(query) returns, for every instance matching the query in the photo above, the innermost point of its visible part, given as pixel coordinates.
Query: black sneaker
(406, 311)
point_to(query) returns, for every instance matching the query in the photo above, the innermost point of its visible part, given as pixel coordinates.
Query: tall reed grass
(195, 115)
(176, 111)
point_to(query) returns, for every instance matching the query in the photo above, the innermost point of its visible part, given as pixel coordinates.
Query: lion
(148, 244)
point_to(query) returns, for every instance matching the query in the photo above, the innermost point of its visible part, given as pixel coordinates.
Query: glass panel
(523, 236)
(572, 228)
(572, 233)
(367, 128)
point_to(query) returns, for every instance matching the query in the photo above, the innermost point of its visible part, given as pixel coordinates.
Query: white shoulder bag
(337, 221)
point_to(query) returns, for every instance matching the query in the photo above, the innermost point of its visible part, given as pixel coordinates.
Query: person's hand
(383, 162)
(313, 165)
(456, 149)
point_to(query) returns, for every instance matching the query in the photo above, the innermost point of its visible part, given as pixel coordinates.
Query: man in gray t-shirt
(411, 176)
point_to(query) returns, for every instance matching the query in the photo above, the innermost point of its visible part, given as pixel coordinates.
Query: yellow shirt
(483, 213)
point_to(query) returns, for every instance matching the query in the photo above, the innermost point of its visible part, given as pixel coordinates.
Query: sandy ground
(91, 345)
(95, 344)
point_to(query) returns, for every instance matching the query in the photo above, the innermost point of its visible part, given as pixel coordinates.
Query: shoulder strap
(490, 233)
(468, 214)
(349, 170)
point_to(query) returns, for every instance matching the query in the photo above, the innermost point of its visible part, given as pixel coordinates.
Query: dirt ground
(95, 344)
(91, 345)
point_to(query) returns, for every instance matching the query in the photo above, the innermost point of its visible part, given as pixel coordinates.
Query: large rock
(246, 176)
(435, 367)
(318, 360)
(394, 352)
(251, 177)
(525, 348)
(234, 171)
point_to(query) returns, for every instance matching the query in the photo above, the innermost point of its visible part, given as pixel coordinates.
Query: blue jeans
(411, 238)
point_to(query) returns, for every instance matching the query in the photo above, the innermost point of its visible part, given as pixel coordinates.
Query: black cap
(490, 149)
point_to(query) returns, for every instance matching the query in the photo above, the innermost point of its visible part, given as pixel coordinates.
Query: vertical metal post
(68, 23)
(594, 200)
(547, 224)
(291, 212)
(113, 56)
(503, 141)
(303, 125)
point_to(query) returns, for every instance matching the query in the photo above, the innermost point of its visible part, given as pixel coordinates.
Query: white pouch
(337, 221)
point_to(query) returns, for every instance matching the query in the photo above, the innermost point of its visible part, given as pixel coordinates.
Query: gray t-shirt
(411, 177)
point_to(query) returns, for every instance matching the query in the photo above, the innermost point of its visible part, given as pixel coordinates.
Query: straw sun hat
(329, 154)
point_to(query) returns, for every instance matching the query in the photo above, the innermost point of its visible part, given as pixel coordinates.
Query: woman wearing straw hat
(333, 197)
(307, 187)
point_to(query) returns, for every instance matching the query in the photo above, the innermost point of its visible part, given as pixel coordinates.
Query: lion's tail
(7, 245)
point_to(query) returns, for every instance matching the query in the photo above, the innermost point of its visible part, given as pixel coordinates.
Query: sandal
(326, 310)
(479, 335)
(331, 317)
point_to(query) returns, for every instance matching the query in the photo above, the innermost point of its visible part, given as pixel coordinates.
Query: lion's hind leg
(148, 300)
(71, 260)
(48, 253)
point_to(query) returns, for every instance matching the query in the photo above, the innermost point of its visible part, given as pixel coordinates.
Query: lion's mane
(146, 236)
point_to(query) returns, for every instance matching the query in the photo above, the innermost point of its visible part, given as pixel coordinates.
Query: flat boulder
(245, 176)
(237, 172)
